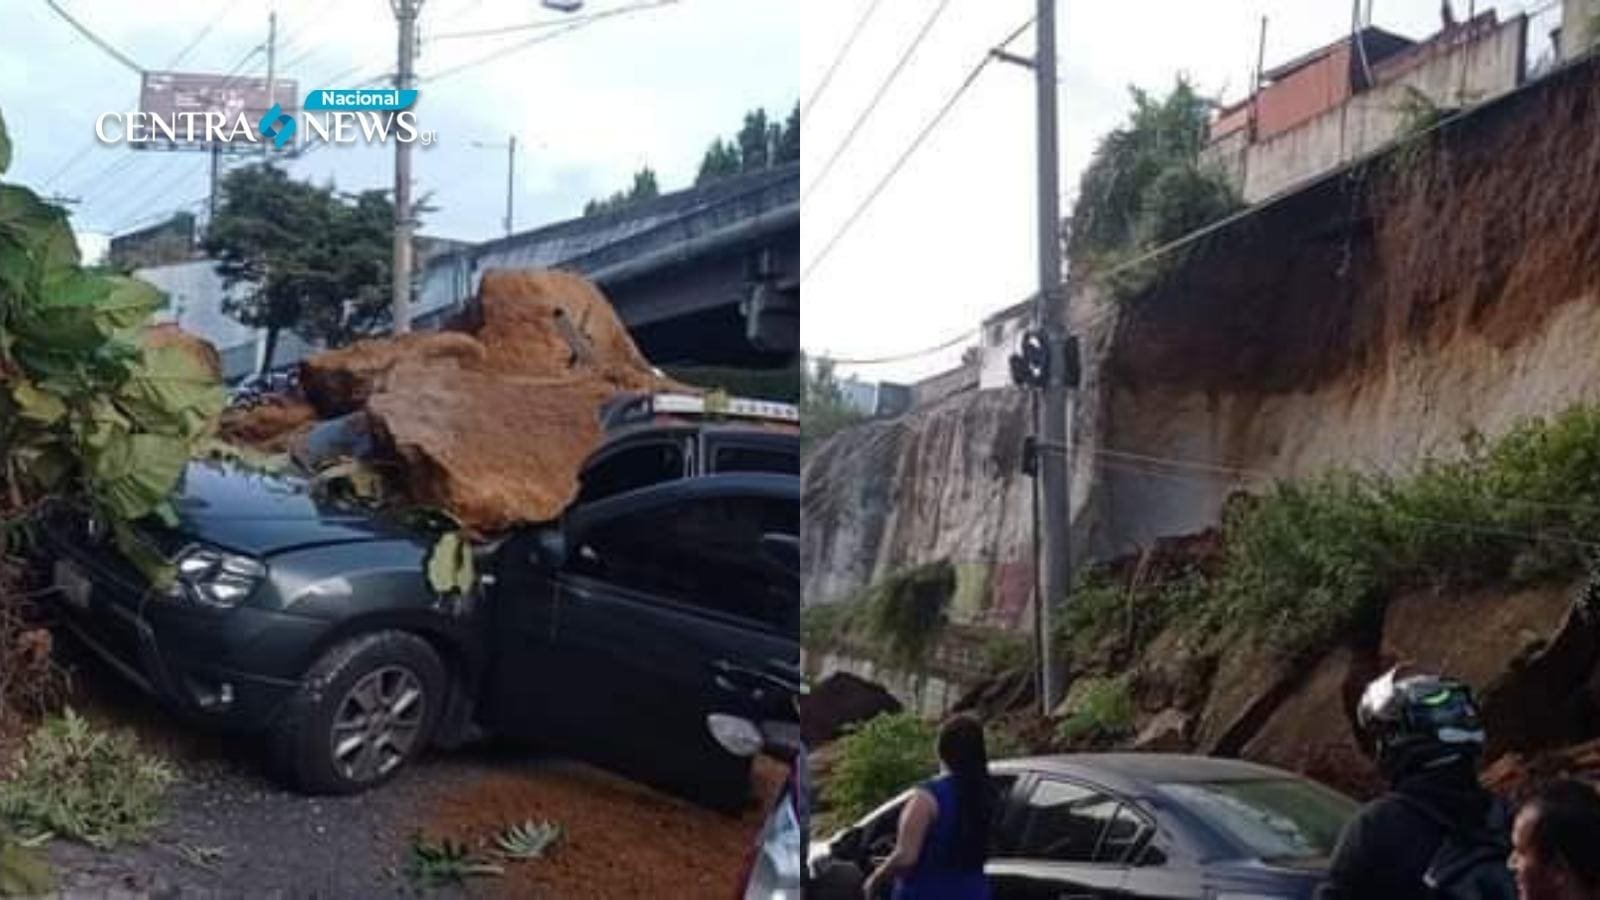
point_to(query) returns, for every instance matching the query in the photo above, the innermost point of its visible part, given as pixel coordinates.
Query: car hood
(261, 514)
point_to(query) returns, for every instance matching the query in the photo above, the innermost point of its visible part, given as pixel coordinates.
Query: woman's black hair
(962, 751)
(1566, 828)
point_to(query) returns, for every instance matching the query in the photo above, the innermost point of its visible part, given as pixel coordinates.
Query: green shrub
(826, 626)
(78, 781)
(24, 872)
(906, 611)
(1307, 560)
(878, 760)
(446, 863)
(1004, 653)
(1100, 610)
(1104, 709)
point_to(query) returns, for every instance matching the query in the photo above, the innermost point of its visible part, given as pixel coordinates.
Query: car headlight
(213, 577)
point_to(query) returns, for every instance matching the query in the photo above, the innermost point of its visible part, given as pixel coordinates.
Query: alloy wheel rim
(377, 723)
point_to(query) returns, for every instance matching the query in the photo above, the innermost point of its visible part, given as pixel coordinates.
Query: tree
(645, 187)
(90, 411)
(755, 142)
(760, 144)
(1144, 184)
(823, 410)
(721, 160)
(789, 138)
(311, 261)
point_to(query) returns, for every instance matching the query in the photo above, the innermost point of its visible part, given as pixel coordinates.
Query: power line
(98, 41)
(838, 59)
(872, 105)
(899, 163)
(157, 216)
(544, 23)
(203, 33)
(570, 27)
(122, 162)
(902, 357)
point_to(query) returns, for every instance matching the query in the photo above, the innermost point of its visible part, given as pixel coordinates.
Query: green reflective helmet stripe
(1439, 698)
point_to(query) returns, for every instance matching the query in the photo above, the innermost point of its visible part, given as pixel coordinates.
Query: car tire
(361, 688)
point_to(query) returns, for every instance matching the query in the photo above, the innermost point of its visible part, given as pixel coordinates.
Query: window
(1064, 822)
(633, 467)
(747, 458)
(1123, 837)
(703, 553)
(1274, 818)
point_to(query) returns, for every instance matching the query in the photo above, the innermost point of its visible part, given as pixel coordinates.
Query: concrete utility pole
(1054, 447)
(511, 170)
(272, 56)
(405, 13)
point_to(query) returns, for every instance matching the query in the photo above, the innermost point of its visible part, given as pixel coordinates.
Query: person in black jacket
(1427, 737)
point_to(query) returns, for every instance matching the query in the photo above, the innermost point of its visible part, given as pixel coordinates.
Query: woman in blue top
(944, 828)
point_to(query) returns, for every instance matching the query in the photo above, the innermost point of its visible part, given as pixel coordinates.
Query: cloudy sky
(952, 237)
(588, 108)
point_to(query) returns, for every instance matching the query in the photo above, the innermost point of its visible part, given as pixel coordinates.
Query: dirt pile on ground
(618, 839)
(491, 424)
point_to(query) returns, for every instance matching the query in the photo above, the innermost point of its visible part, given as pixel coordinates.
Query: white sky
(589, 108)
(953, 236)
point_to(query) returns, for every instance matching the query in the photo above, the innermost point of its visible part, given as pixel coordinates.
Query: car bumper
(224, 667)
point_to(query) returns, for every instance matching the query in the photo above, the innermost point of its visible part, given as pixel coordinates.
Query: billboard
(184, 103)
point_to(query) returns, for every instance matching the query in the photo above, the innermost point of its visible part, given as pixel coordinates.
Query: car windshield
(1277, 819)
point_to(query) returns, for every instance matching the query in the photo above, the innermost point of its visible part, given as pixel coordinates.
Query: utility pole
(511, 168)
(1054, 448)
(216, 171)
(405, 14)
(269, 345)
(272, 55)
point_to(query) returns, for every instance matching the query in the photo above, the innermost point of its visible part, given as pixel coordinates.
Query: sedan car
(653, 629)
(1129, 825)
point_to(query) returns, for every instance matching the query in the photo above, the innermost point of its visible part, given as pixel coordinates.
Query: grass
(84, 783)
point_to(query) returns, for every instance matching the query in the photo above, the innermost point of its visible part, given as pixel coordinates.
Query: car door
(1052, 847)
(855, 853)
(666, 610)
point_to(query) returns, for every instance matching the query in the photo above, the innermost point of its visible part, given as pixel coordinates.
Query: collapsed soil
(622, 839)
(491, 424)
(619, 839)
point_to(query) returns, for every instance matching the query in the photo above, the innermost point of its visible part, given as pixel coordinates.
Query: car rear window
(633, 467)
(739, 458)
(1276, 819)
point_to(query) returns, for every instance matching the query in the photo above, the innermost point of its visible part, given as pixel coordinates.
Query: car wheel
(364, 709)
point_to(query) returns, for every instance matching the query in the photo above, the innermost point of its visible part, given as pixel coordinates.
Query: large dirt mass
(491, 425)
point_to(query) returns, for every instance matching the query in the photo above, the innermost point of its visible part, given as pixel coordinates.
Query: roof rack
(642, 407)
